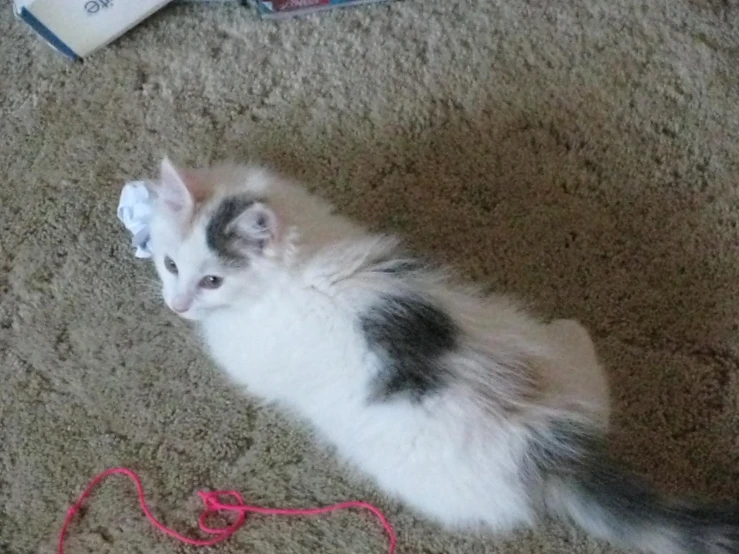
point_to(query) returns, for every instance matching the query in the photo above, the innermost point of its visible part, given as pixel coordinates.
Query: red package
(283, 8)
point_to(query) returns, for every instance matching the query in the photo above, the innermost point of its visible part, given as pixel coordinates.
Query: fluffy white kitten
(462, 405)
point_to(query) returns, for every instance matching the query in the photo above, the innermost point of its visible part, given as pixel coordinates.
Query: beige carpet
(583, 154)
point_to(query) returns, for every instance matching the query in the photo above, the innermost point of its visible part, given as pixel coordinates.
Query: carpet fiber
(580, 154)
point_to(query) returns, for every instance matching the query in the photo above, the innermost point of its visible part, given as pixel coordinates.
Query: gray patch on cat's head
(221, 233)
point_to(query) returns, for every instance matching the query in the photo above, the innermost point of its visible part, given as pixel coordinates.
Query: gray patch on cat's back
(219, 235)
(411, 336)
(397, 263)
(403, 267)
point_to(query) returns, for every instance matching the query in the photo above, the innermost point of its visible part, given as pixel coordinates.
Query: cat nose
(180, 304)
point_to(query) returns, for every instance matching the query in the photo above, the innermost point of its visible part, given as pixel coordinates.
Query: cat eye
(170, 265)
(211, 282)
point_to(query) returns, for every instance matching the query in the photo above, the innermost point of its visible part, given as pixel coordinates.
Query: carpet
(581, 155)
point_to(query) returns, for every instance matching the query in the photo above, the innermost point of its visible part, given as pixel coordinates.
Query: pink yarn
(214, 505)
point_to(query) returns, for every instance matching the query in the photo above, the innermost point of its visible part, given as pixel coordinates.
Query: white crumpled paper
(134, 211)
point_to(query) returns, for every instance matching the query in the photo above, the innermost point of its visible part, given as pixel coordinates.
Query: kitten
(462, 405)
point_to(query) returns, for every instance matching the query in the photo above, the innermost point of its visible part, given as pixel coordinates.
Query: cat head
(215, 236)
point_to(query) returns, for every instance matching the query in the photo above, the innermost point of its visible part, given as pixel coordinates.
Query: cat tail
(581, 483)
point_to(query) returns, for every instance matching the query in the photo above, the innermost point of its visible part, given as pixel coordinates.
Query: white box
(76, 28)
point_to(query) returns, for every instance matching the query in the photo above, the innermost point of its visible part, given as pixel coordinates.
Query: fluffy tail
(581, 483)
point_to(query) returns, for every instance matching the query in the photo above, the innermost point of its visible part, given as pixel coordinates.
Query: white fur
(285, 328)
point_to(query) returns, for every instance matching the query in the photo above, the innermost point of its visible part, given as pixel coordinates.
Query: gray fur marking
(571, 462)
(411, 337)
(219, 234)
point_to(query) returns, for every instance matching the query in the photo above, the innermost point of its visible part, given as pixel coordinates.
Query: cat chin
(190, 316)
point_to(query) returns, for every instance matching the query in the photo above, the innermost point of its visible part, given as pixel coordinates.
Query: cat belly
(451, 472)
(435, 456)
(283, 356)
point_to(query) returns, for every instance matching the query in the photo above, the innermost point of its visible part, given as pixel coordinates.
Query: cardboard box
(77, 28)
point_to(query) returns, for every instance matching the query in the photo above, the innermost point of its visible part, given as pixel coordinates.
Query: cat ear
(173, 190)
(257, 227)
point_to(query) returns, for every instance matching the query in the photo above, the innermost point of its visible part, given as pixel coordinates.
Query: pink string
(213, 506)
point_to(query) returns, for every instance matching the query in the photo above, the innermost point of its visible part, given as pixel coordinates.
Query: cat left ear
(257, 227)
(172, 188)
